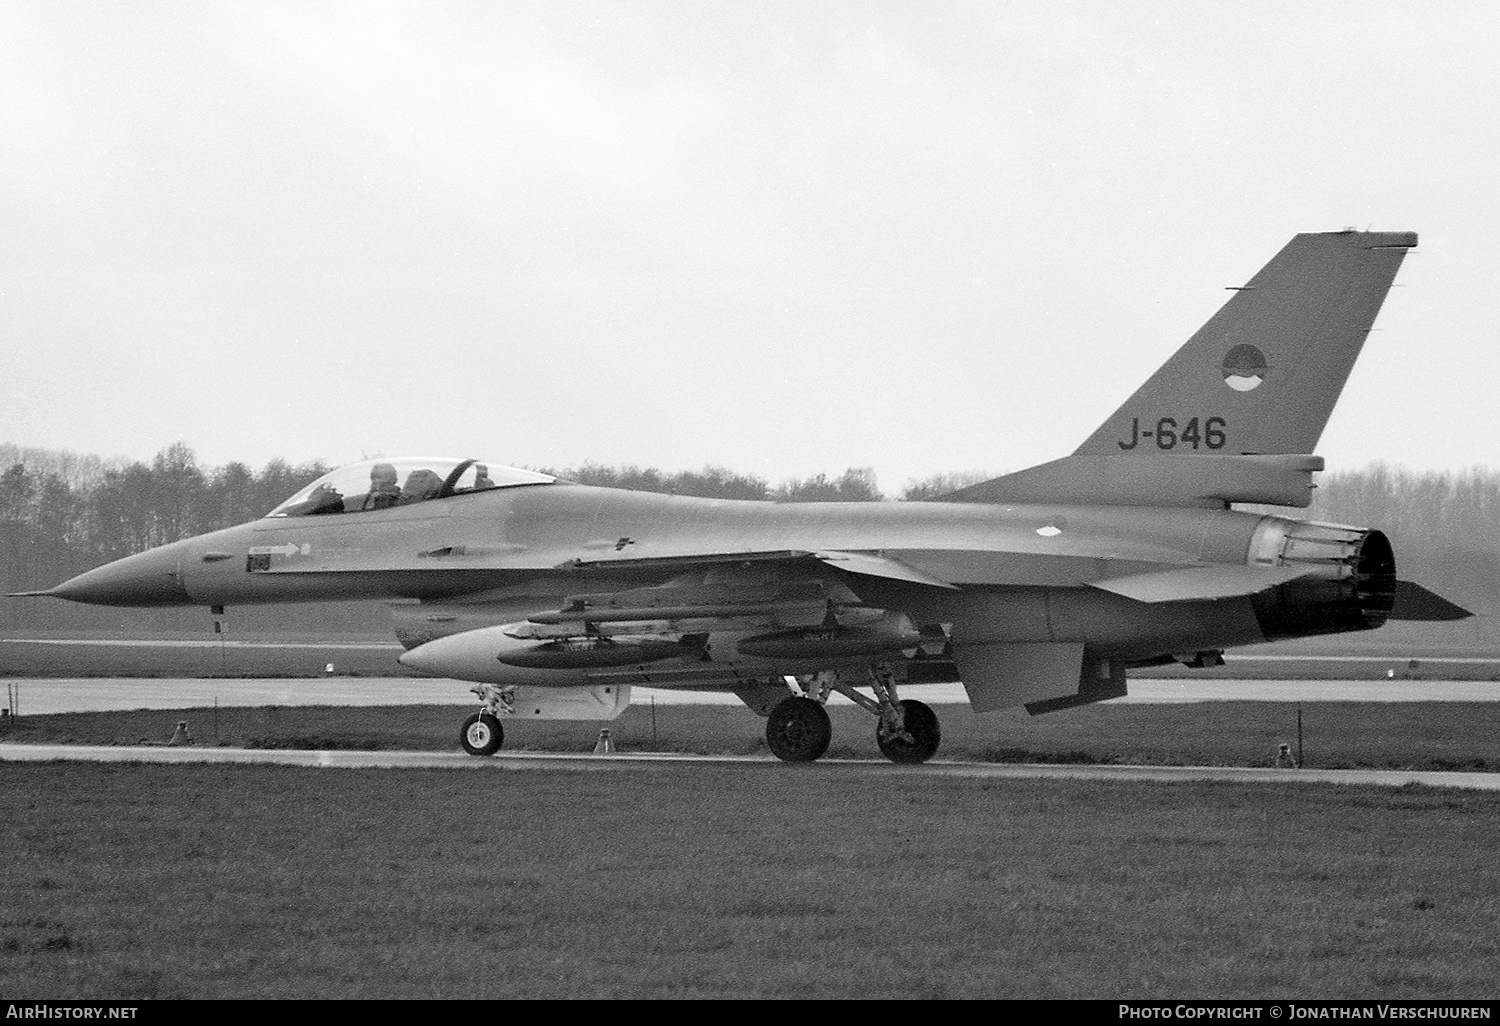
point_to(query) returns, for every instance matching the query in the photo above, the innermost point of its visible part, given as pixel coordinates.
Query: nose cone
(146, 579)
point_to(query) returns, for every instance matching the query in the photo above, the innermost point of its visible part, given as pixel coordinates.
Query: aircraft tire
(922, 725)
(798, 730)
(482, 734)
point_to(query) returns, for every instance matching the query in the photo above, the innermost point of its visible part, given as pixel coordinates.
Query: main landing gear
(482, 733)
(798, 729)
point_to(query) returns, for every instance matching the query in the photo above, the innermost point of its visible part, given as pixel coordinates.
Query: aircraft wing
(940, 568)
(881, 566)
(866, 563)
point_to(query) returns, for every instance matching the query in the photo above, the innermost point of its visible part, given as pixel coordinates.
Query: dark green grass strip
(747, 881)
(22, 659)
(1425, 736)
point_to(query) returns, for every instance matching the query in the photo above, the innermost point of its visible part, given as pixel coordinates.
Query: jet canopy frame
(401, 481)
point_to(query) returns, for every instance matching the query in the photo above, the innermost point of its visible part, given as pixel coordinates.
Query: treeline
(857, 484)
(61, 513)
(1444, 526)
(52, 522)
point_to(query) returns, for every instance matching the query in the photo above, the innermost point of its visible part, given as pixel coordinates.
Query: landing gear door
(594, 702)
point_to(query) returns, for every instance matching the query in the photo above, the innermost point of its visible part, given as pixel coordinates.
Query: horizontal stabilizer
(1201, 582)
(1414, 602)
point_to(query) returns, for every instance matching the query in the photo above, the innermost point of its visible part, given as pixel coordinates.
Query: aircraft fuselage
(1022, 572)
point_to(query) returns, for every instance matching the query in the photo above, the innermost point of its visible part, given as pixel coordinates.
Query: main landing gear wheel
(798, 730)
(482, 734)
(918, 741)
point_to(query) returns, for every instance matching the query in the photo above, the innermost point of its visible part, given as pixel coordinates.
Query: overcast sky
(785, 238)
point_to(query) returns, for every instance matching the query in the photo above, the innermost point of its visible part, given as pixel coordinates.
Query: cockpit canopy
(383, 483)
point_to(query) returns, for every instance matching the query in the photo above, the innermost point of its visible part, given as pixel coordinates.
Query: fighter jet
(1038, 589)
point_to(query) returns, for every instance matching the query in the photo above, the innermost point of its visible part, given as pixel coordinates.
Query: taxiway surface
(36, 696)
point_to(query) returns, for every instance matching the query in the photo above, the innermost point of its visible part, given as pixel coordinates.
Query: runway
(213, 643)
(38, 696)
(652, 761)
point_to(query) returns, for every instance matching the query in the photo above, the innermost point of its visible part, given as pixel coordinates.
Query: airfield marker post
(218, 614)
(1300, 762)
(654, 746)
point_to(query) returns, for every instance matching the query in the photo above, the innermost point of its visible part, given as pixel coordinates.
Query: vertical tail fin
(1263, 374)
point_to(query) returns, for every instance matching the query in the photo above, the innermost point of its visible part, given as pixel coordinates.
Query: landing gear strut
(917, 738)
(907, 731)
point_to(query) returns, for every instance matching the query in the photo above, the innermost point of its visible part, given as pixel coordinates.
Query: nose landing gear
(482, 733)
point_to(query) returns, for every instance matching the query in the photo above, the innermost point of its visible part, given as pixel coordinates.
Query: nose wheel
(482, 734)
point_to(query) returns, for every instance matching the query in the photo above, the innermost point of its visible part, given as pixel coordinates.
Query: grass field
(749, 881)
(760, 880)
